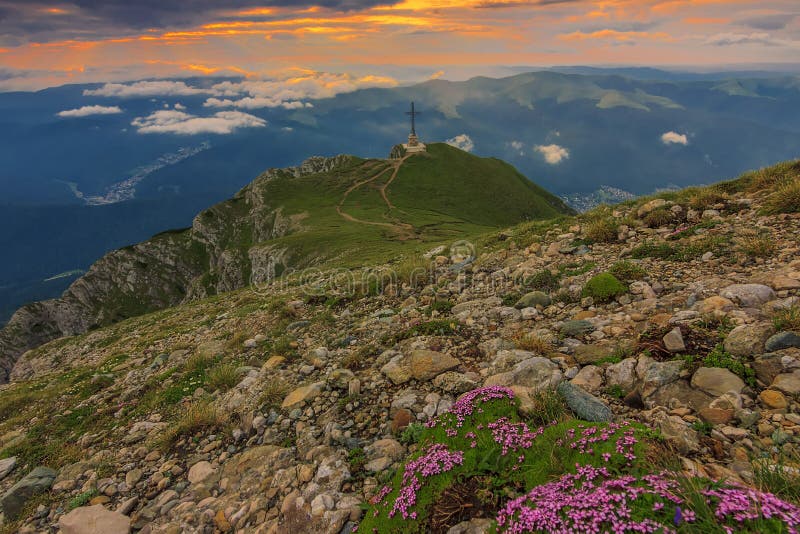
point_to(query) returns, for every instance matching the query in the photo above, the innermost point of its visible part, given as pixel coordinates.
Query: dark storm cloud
(48, 20)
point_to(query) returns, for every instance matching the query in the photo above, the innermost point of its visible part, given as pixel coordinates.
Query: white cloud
(145, 88)
(179, 106)
(85, 111)
(553, 154)
(290, 90)
(674, 138)
(463, 141)
(181, 123)
(517, 146)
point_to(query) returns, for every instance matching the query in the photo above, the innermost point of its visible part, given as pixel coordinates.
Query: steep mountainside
(342, 209)
(631, 369)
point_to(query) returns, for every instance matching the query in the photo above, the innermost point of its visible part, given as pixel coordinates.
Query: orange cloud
(706, 20)
(614, 35)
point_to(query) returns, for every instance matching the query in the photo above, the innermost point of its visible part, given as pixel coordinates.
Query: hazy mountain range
(89, 168)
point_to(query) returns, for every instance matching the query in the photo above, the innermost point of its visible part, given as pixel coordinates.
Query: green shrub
(82, 499)
(703, 428)
(627, 271)
(721, 358)
(604, 287)
(601, 231)
(412, 434)
(615, 391)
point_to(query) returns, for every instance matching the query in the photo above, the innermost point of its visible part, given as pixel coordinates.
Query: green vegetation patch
(604, 287)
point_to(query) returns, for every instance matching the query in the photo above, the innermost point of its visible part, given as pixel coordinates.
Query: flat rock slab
(716, 381)
(37, 481)
(585, 405)
(419, 365)
(303, 394)
(94, 520)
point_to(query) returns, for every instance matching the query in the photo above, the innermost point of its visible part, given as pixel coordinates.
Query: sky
(379, 42)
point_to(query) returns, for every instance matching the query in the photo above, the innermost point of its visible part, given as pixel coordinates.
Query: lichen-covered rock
(37, 481)
(716, 381)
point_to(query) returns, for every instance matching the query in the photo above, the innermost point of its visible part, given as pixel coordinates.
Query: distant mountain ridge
(343, 209)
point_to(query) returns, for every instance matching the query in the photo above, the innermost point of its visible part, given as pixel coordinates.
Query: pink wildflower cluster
(589, 501)
(743, 504)
(589, 436)
(435, 460)
(378, 497)
(513, 436)
(470, 402)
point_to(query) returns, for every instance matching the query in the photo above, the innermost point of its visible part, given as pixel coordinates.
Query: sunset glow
(46, 45)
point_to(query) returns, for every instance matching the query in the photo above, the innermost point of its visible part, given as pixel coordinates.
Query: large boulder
(788, 383)
(748, 339)
(418, 365)
(716, 381)
(94, 520)
(576, 327)
(654, 375)
(37, 481)
(748, 295)
(6, 466)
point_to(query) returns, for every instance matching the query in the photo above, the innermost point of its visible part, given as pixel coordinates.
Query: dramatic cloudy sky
(45, 42)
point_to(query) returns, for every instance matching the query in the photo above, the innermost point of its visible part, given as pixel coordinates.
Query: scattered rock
(302, 395)
(748, 340)
(673, 341)
(533, 299)
(419, 365)
(749, 295)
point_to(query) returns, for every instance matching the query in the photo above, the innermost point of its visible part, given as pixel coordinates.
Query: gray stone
(585, 405)
(94, 520)
(589, 378)
(576, 328)
(533, 299)
(673, 340)
(749, 295)
(716, 381)
(37, 481)
(6, 466)
(782, 340)
(748, 339)
(655, 375)
(622, 374)
(453, 382)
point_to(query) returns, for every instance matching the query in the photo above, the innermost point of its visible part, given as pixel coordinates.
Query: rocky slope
(283, 409)
(285, 219)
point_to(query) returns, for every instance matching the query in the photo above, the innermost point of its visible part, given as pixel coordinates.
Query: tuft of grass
(627, 271)
(786, 199)
(414, 271)
(604, 287)
(532, 342)
(781, 477)
(198, 362)
(703, 428)
(198, 416)
(658, 218)
(615, 391)
(603, 230)
(757, 246)
(273, 394)
(223, 377)
(360, 358)
(707, 197)
(787, 319)
(548, 406)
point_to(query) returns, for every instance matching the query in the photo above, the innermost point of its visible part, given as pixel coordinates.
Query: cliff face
(216, 254)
